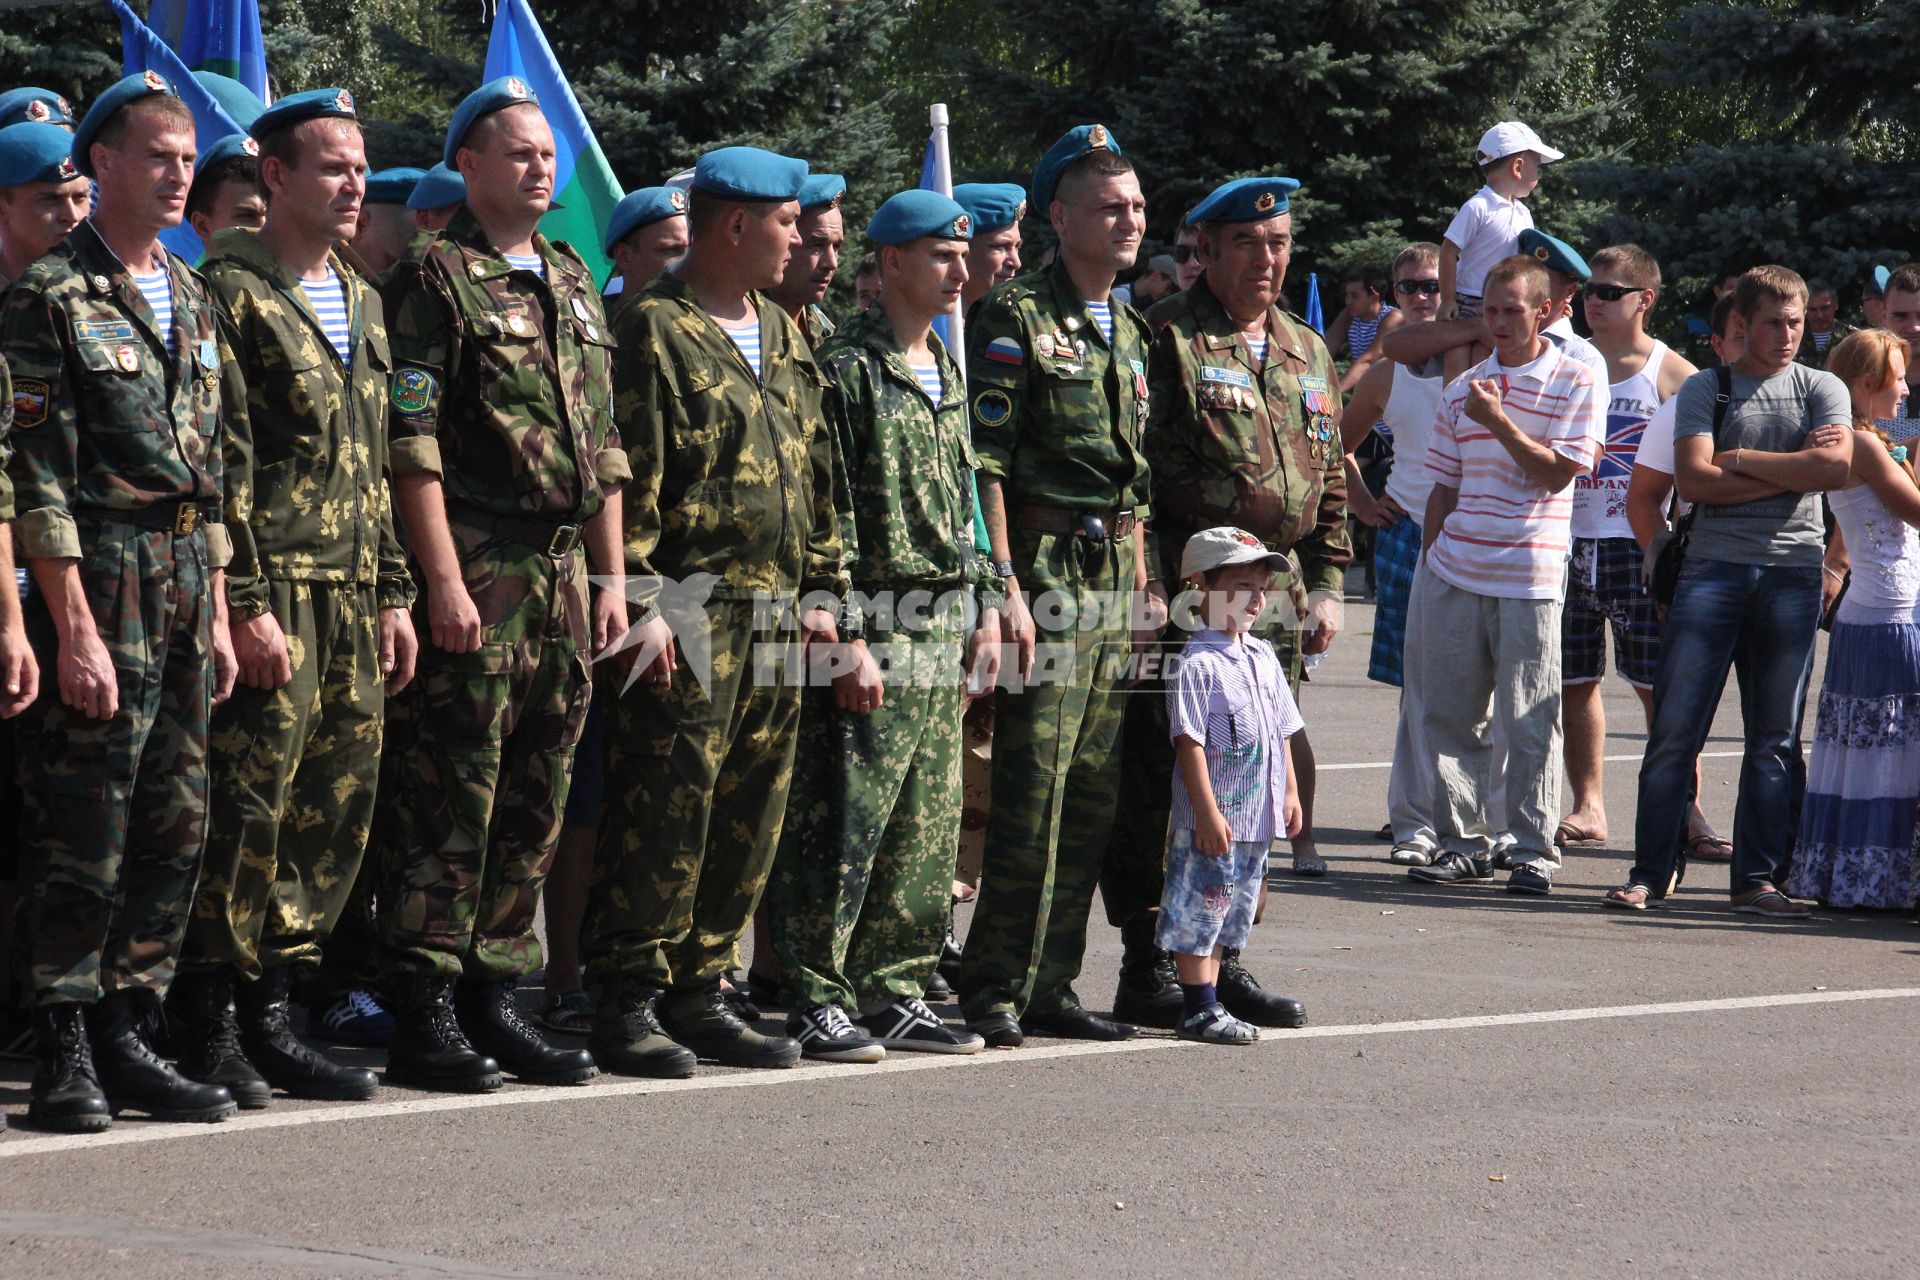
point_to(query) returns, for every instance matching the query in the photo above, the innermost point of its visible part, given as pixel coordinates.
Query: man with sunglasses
(1604, 587)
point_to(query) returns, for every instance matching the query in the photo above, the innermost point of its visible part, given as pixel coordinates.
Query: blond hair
(1864, 359)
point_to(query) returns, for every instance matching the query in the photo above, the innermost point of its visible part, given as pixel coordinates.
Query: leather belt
(178, 516)
(1044, 517)
(555, 541)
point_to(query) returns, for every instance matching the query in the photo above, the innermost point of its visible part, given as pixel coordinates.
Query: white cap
(1225, 545)
(1510, 138)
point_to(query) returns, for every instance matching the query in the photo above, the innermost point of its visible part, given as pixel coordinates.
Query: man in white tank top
(1604, 588)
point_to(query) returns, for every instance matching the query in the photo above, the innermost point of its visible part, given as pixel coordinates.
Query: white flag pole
(943, 183)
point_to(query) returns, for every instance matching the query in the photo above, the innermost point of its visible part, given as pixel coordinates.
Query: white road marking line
(1388, 764)
(254, 1122)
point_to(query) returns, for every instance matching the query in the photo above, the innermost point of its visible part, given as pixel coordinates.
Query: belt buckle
(565, 539)
(185, 521)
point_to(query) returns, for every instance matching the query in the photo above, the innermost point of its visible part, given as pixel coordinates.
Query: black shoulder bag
(1661, 569)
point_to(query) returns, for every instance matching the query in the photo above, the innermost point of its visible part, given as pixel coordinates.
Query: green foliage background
(1717, 134)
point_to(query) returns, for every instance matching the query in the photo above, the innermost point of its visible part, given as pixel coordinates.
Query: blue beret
(748, 173)
(35, 153)
(231, 147)
(991, 205)
(494, 95)
(121, 93)
(822, 190)
(643, 208)
(392, 186)
(1244, 200)
(238, 101)
(441, 186)
(1880, 277)
(298, 108)
(912, 214)
(34, 106)
(1557, 255)
(1076, 142)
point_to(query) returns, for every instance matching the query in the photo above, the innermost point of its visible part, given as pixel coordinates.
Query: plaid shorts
(1209, 901)
(1396, 552)
(1603, 586)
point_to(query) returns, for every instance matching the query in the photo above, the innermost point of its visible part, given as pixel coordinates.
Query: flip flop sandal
(1710, 848)
(1568, 836)
(1214, 1025)
(570, 1014)
(1774, 905)
(1620, 900)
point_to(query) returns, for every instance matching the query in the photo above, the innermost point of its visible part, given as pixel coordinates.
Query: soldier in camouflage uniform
(1057, 375)
(116, 474)
(506, 464)
(1244, 432)
(733, 508)
(862, 885)
(810, 271)
(318, 596)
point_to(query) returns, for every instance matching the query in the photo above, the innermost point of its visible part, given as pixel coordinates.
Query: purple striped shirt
(1232, 698)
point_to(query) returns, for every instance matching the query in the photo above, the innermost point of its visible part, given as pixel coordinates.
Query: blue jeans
(1761, 621)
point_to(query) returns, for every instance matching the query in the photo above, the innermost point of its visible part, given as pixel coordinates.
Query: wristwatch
(1000, 568)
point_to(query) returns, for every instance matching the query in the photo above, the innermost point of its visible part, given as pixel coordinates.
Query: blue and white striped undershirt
(747, 338)
(1259, 348)
(527, 262)
(158, 291)
(929, 376)
(329, 303)
(1103, 316)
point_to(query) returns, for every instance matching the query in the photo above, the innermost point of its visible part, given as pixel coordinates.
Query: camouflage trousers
(976, 792)
(1135, 869)
(479, 755)
(114, 815)
(1056, 781)
(697, 781)
(294, 773)
(862, 885)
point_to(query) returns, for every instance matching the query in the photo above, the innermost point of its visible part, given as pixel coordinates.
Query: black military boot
(1246, 1000)
(628, 1039)
(701, 1020)
(206, 1039)
(66, 1093)
(1149, 990)
(286, 1063)
(135, 1078)
(428, 1048)
(496, 1025)
(949, 966)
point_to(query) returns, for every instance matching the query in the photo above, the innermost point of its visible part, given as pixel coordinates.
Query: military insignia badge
(580, 309)
(517, 88)
(1080, 347)
(66, 172)
(66, 108)
(127, 358)
(1317, 394)
(209, 354)
(343, 101)
(1097, 137)
(476, 269)
(157, 82)
(961, 225)
(30, 398)
(412, 390)
(519, 326)
(677, 200)
(1264, 203)
(249, 146)
(1043, 344)
(992, 408)
(100, 284)
(37, 111)
(1540, 252)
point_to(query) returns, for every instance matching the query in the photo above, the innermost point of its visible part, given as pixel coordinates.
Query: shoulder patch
(413, 390)
(30, 399)
(992, 408)
(1005, 351)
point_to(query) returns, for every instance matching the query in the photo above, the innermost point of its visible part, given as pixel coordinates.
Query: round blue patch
(992, 408)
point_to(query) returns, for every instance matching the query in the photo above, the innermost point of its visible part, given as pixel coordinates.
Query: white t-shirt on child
(1486, 229)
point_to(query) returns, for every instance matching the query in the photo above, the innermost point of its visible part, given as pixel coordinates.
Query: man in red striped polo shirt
(1483, 635)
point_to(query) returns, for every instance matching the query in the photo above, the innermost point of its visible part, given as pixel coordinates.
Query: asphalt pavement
(1490, 1086)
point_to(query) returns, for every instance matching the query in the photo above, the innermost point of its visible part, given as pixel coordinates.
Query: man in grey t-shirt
(1748, 595)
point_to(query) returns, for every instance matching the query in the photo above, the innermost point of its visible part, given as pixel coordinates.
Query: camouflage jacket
(104, 419)
(909, 515)
(6, 427)
(1811, 355)
(1232, 442)
(732, 476)
(816, 326)
(306, 458)
(1058, 414)
(502, 381)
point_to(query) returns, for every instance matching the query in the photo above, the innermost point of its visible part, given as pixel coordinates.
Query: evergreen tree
(73, 50)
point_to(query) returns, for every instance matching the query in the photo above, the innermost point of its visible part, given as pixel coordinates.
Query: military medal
(1043, 344)
(476, 269)
(100, 284)
(580, 308)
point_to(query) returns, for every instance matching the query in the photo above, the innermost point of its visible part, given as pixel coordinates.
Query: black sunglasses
(1428, 287)
(1613, 292)
(1183, 252)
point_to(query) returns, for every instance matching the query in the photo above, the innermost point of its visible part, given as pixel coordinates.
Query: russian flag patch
(1005, 351)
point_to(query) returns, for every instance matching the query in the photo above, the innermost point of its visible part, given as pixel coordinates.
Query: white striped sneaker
(908, 1024)
(826, 1034)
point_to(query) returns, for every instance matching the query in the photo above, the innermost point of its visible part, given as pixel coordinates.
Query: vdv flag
(930, 181)
(215, 35)
(1316, 319)
(143, 50)
(583, 181)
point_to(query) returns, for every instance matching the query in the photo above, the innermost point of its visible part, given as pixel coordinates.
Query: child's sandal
(1214, 1025)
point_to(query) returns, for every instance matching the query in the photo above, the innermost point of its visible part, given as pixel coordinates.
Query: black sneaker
(826, 1034)
(1528, 878)
(909, 1024)
(1453, 868)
